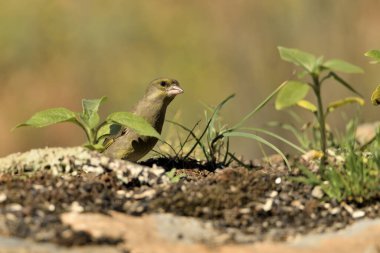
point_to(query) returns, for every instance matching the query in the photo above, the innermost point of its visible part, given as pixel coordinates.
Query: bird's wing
(111, 139)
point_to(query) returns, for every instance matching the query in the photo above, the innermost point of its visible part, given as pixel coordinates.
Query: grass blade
(261, 105)
(259, 139)
(216, 111)
(197, 140)
(277, 137)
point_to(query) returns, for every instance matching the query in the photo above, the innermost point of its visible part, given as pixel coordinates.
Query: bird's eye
(163, 84)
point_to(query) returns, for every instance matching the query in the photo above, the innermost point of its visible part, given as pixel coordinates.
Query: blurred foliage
(52, 53)
(352, 172)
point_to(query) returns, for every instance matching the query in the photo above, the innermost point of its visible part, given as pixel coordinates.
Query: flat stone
(167, 233)
(16, 245)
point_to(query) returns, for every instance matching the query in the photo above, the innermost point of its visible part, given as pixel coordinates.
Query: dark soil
(259, 203)
(34, 203)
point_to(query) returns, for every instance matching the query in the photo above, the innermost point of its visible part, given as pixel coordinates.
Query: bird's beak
(174, 90)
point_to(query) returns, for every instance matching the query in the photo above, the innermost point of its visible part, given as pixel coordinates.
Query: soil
(246, 205)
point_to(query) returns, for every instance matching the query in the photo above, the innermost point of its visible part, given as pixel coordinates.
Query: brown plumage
(131, 146)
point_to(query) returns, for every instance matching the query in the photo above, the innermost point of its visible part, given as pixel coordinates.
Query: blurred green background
(53, 53)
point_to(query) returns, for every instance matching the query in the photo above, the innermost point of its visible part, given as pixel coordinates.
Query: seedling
(214, 138)
(356, 179)
(89, 119)
(318, 70)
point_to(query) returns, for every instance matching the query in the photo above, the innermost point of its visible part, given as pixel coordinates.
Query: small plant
(318, 70)
(214, 139)
(357, 179)
(89, 120)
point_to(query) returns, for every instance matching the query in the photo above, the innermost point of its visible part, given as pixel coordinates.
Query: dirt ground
(243, 205)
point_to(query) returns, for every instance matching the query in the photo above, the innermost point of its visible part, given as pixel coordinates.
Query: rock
(3, 197)
(365, 132)
(76, 207)
(268, 205)
(154, 227)
(71, 160)
(358, 214)
(16, 245)
(167, 233)
(317, 192)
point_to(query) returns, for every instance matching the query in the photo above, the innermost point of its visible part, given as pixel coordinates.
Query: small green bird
(131, 146)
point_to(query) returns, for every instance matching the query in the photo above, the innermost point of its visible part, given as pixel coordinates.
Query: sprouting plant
(318, 70)
(356, 179)
(89, 120)
(214, 138)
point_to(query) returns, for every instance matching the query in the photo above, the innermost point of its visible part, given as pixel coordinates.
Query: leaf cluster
(89, 121)
(295, 91)
(319, 71)
(357, 179)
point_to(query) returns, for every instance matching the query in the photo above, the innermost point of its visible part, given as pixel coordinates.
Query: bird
(127, 144)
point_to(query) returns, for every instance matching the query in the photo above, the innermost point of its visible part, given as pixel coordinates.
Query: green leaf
(108, 128)
(137, 123)
(302, 74)
(290, 94)
(332, 106)
(375, 55)
(375, 98)
(49, 117)
(259, 139)
(299, 58)
(342, 66)
(307, 105)
(90, 111)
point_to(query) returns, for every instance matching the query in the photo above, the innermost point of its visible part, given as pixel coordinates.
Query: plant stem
(90, 135)
(321, 119)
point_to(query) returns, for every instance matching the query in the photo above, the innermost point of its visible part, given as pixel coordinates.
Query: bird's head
(166, 88)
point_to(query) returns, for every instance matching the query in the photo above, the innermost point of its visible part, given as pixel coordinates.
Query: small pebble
(273, 194)
(348, 208)
(358, 214)
(268, 205)
(297, 204)
(3, 197)
(317, 192)
(51, 208)
(334, 211)
(76, 207)
(278, 180)
(15, 207)
(245, 210)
